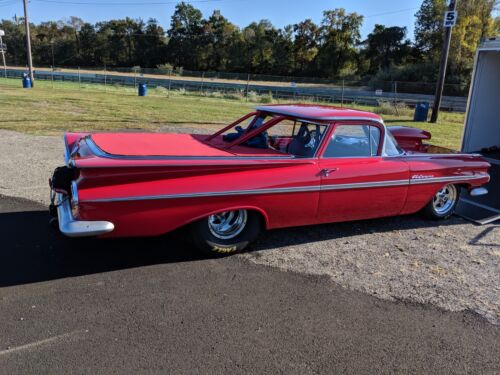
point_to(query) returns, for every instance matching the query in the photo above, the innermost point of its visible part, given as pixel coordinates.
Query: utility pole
(2, 50)
(450, 20)
(52, 48)
(28, 42)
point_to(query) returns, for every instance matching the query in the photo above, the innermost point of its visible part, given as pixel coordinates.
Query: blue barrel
(421, 112)
(143, 89)
(26, 83)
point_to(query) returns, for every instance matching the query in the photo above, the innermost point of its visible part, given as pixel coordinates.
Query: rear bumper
(477, 192)
(71, 227)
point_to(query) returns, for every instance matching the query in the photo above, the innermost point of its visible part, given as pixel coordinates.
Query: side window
(353, 141)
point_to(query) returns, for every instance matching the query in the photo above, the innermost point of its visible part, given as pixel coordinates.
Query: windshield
(298, 138)
(392, 147)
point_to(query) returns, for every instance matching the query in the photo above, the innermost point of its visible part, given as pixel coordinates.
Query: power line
(124, 3)
(392, 12)
(9, 3)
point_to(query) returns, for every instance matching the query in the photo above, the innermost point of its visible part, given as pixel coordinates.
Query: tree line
(331, 49)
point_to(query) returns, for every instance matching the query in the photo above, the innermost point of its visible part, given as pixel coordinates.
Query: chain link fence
(243, 85)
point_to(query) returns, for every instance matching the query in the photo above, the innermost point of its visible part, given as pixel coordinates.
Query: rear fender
(71, 138)
(410, 139)
(263, 214)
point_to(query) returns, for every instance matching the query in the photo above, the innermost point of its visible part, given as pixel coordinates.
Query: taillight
(74, 199)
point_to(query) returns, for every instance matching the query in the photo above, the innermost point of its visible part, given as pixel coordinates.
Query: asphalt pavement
(155, 306)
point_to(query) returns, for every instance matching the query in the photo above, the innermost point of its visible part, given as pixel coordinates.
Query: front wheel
(443, 204)
(226, 233)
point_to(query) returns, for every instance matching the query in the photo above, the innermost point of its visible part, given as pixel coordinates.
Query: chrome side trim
(209, 194)
(421, 155)
(300, 189)
(364, 185)
(97, 151)
(75, 228)
(435, 180)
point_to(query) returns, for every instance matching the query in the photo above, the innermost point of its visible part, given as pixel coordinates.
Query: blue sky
(240, 12)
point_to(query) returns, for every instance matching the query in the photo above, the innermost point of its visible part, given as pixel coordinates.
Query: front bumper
(71, 227)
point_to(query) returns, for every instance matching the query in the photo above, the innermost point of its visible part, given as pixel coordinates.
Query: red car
(280, 166)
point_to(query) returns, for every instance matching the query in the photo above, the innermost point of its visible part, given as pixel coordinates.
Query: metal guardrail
(324, 93)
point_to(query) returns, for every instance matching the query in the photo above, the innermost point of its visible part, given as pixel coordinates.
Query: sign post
(3, 48)
(450, 20)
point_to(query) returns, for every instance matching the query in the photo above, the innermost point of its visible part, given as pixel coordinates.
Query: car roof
(318, 112)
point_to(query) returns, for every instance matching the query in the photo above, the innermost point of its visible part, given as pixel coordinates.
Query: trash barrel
(421, 112)
(26, 83)
(143, 89)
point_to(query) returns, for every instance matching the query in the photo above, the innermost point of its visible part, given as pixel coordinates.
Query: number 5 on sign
(450, 18)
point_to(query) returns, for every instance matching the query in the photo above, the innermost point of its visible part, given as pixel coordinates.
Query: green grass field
(52, 108)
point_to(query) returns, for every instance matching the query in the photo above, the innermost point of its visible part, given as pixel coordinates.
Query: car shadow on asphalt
(32, 251)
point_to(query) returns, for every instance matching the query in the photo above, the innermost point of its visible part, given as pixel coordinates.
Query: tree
(118, 41)
(257, 46)
(429, 28)
(339, 36)
(305, 46)
(88, 44)
(14, 38)
(151, 49)
(76, 23)
(474, 22)
(331, 49)
(283, 51)
(220, 35)
(186, 36)
(386, 46)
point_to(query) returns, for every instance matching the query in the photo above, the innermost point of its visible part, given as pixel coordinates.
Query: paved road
(153, 306)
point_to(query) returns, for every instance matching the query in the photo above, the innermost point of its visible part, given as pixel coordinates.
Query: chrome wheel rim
(445, 200)
(227, 225)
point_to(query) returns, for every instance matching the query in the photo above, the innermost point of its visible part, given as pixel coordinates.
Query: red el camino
(281, 166)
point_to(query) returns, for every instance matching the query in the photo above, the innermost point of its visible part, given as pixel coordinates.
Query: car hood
(154, 144)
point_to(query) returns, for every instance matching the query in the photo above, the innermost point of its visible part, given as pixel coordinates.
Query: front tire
(226, 233)
(443, 204)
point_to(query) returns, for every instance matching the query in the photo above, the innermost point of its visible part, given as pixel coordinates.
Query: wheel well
(261, 214)
(263, 219)
(464, 185)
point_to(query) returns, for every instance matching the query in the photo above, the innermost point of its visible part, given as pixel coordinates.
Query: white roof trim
(278, 111)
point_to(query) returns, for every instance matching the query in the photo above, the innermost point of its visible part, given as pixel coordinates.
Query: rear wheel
(444, 203)
(226, 233)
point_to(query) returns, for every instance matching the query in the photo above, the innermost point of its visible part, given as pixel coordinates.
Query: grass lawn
(55, 108)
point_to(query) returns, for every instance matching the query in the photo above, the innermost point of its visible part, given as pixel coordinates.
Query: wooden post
(442, 66)
(248, 85)
(343, 88)
(28, 43)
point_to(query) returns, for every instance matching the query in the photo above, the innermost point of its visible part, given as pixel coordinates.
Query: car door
(357, 182)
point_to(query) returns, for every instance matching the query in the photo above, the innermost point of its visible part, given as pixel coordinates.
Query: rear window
(353, 141)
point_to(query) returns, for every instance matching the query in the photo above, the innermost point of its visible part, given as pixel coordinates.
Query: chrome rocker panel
(76, 228)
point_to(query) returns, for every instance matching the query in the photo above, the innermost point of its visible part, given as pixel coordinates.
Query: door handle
(326, 172)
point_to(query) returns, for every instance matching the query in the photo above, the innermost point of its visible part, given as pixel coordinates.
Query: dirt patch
(453, 265)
